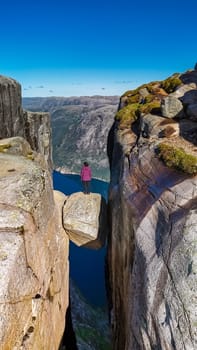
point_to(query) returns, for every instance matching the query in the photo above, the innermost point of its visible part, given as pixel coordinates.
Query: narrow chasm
(69, 339)
(87, 322)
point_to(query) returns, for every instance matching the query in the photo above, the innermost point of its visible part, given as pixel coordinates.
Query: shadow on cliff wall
(69, 339)
(114, 153)
(188, 129)
(110, 143)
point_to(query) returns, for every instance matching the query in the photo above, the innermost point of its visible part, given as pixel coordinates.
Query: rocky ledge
(152, 256)
(34, 247)
(34, 264)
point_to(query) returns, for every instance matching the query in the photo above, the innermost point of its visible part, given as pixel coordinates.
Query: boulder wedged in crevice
(85, 219)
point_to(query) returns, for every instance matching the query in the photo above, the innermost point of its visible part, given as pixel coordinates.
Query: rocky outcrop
(34, 247)
(34, 127)
(38, 133)
(84, 219)
(152, 254)
(33, 252)
(11, 116)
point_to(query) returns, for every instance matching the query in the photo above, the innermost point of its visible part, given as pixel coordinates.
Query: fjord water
(86, 265)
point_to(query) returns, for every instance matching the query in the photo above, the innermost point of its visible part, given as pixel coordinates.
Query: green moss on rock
(135, 98)
(130, 113)
(171, 83)
(177, 158)
(137, 103)
(149, 86)
(151, 107)
(127, 115)
(149, 98)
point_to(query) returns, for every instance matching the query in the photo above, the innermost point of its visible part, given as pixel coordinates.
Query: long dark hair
(86, 163)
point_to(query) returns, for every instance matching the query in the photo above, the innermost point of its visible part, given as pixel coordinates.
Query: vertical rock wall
(37, 131)
(34, 127)
(152, 256)
(34, 266)
(11, 115)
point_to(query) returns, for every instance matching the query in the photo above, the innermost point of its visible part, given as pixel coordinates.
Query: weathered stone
(151, 208)
(144, 92)
(38, 133)
(19, 146)
(16, 145)
(155, 126)
(127, 140)
(33, 254)
(180, 91)
(34, 127)
(152, 252)
(84, 219)
(171, 107)
(11, 119)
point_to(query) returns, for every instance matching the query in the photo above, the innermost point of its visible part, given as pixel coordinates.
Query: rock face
(34, 127)
(33, 252)
(152, 252)
(38, 133)
(11, 116)
(34, 247)
(84, 219)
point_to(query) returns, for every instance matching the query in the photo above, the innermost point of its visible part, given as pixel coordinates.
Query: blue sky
(67, 48)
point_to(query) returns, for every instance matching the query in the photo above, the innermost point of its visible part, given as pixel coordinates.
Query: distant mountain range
(80, 127)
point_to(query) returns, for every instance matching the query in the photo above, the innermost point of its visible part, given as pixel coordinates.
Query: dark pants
(86, 186)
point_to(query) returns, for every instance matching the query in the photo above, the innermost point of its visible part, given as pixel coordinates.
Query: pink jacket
(86, 173)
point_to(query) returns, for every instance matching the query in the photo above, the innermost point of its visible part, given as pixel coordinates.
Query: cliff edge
(34, 246)
(152, 256)
(34, 264)
(35, 127)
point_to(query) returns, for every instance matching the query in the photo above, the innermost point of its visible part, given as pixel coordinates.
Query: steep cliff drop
(152, 253)
(34, 268)
(35, 127)
(34, 246)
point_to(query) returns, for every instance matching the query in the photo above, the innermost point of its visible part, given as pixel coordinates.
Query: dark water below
(86, 265)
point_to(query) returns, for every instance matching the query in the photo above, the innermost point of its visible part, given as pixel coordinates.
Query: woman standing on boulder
(86, 176)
